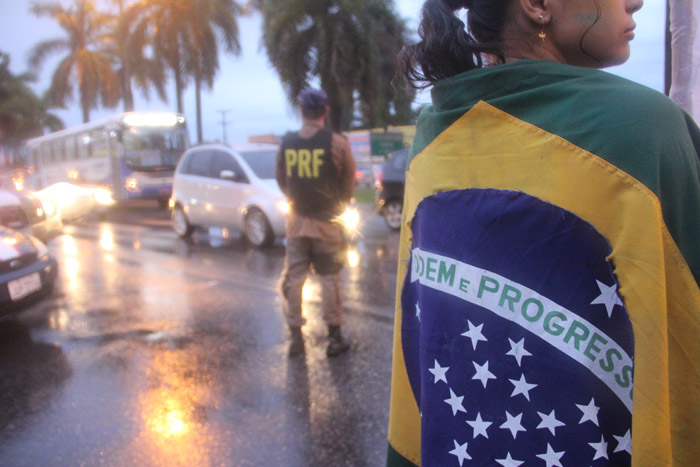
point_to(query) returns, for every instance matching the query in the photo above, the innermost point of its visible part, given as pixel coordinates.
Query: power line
(224, 122)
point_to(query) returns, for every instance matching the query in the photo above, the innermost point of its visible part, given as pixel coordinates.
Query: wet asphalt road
(154, 351)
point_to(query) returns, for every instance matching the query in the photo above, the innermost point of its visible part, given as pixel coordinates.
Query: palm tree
(85, 63)
(347, 46)
(186, 35)
(126, 43)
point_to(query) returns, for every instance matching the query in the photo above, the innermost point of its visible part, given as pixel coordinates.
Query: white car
(232, 187)
(25, 212)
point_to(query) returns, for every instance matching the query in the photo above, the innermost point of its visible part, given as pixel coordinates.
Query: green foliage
(348, 47)
(22, 114)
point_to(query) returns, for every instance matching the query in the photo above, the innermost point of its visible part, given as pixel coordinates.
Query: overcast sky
(248, 88)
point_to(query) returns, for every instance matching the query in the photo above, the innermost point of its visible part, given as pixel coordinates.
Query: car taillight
(379, 179)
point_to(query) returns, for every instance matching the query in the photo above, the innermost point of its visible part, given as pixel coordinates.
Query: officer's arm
(346, 166)
(280, 174)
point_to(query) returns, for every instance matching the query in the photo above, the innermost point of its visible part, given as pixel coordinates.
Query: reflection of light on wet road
(58, 320)
(106, 238)
(353, 257)
(168, 420)
(311, 290)
(68, 246)
(70, 261)
(175, 429)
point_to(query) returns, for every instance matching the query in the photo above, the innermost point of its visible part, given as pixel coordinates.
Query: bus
(129, 156)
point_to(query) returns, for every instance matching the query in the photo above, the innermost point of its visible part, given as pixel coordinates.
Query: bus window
(98, 144)
(83, 144)
(57, 149)
(70, 148)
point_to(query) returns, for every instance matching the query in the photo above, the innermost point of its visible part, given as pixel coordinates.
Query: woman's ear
(536, 10)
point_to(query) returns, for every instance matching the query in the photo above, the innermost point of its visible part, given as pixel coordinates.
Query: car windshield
(261, 162)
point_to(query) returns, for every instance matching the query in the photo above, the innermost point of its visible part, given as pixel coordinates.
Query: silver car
(231, 187)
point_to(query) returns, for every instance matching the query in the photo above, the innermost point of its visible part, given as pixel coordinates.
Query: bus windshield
(152, 149)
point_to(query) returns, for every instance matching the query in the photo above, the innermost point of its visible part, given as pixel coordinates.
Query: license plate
(20, 288)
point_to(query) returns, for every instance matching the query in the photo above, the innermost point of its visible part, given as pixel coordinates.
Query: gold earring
(542, 35)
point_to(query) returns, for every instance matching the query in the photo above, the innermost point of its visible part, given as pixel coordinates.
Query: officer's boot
(336, 343)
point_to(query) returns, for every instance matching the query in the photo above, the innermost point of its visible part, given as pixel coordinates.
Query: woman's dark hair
(447, 47)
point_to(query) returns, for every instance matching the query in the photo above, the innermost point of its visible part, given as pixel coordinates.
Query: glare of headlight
(171, 203)
(49, 208)
(73, 174)
(350, 220)
(102, 196)
(353, 258)
(19, 183)
(132, 184)
(283, 205)
(39, 211)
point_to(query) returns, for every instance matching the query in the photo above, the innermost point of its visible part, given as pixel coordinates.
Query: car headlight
(350, 220)
(283, 205)
(102, 196)
(131, 184)
(49, 208)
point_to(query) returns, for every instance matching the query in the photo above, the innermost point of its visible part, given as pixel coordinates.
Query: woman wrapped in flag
(548, 308)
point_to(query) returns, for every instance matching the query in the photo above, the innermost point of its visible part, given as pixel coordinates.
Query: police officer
(316, 170)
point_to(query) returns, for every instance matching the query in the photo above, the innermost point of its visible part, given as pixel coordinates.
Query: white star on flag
(460, 451)
(455, 402)
(601, 449)
(608, 297)
(513, 424)
(517, 350)
(474, 333)
(479, 426)
(590, 412)
(521, 387)
(551, 457)
(439, 372)
(549, 422)
(482, 373)
(624, 443)
(509, 462)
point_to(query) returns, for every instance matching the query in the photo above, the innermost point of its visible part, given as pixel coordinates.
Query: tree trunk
(178, 89)
(127, 95)
(86, 111)
(198, 103)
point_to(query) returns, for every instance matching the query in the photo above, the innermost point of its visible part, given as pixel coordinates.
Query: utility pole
(224, 122)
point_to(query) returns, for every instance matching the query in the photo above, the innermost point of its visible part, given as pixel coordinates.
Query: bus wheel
(257, 230)
(181, 225)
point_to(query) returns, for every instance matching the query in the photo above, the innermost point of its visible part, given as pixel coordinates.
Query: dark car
(389, 188)
(27, 270)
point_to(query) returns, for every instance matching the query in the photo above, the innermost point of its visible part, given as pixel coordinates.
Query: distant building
(269, 138)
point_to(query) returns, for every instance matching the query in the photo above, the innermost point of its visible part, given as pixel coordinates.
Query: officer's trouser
(327, 259)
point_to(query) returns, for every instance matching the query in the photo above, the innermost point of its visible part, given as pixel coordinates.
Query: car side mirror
(228, 175)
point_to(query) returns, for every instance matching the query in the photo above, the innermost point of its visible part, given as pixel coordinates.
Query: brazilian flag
(548, 308)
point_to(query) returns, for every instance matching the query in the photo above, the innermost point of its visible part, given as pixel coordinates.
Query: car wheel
(256, 229)
(181, 225)
(392, 213)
